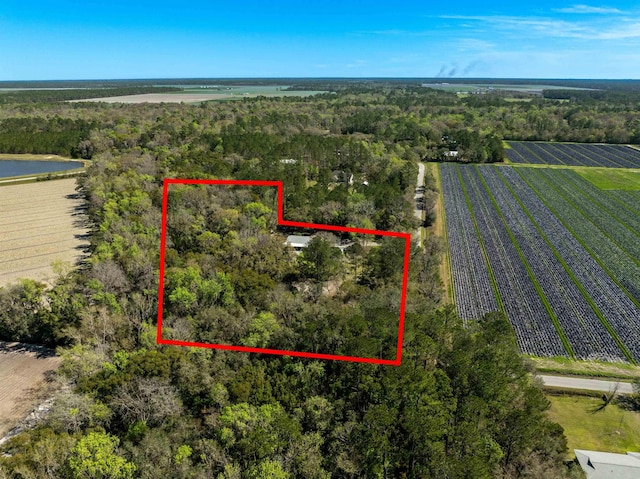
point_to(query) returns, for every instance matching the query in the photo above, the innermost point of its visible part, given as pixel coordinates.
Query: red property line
(283, 222)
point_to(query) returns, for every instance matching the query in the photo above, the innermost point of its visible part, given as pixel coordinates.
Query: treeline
(37, 135)
(630, 96)
(596, 84)
(47, 96)
(409, 122)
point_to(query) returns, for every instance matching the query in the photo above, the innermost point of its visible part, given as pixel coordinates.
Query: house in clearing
(606, 465)
(298, 243)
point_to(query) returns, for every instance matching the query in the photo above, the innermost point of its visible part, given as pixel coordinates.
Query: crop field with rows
(573, 154)
(40, 224)
(557, 254)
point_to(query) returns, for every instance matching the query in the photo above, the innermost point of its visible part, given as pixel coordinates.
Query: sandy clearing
(40, 223)
(162, 98)
(195, 97)
(23, 380)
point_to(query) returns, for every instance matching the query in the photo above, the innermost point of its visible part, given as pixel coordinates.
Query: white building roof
(296, 241)
(607, 465)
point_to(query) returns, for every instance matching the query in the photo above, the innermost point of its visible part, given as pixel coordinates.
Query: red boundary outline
(281, 221)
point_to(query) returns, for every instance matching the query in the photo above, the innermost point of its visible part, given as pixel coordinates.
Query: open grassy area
(438, 228)
(611, 430)
(29, 156)
(612, 179)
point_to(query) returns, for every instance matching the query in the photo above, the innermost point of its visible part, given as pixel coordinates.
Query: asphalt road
(589, 384)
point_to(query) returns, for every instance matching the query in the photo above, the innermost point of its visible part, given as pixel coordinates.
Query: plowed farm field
(41, 224)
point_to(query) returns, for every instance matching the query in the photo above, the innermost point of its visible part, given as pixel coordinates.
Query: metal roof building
(607, 465)
(298, 242)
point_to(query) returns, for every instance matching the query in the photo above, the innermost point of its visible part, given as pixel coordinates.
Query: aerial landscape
(240, 242)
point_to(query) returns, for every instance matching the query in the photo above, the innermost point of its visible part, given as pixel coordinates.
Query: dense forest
(461, 404)
(49, 95)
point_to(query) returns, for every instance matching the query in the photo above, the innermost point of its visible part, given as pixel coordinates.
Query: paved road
(590, 384)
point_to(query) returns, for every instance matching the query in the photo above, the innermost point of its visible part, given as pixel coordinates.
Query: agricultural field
(40, 224)
(197, 95)
(573, 154)
(557, 254)
(24, 371)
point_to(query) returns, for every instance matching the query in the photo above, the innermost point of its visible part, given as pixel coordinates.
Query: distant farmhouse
(606, 465)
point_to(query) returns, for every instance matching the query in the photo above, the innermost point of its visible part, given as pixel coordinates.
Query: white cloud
(588, 9)
(551, 28)
(622, 32)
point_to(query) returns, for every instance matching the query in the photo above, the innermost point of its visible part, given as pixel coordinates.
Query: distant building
(451, 154)
(606, 465)
(288, 161)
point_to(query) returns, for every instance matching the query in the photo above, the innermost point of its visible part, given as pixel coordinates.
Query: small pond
(35, 167)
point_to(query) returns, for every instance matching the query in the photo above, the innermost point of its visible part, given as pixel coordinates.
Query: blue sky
(85, 39)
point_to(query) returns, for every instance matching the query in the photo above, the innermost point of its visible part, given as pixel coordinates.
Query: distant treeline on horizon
(600, 84)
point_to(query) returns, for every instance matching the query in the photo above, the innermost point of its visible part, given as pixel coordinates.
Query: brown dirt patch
(25, 380)
(159, 98)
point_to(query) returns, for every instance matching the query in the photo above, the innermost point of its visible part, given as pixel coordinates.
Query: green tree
(95, 457)
(268, 469)
(319, 260)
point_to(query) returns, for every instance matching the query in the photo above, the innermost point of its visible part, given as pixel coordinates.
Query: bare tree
(146, 399)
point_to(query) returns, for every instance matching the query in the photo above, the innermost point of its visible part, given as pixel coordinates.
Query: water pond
(35, 167)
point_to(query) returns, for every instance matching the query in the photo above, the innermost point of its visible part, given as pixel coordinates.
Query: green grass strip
(447, 255)
(543, 298)
(583, 291)
(494, 284)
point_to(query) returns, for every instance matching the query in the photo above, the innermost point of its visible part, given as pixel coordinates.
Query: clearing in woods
(24, 374)
(40, 223)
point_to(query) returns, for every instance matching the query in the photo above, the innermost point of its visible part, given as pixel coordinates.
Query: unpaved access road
(40, 223)
(418, 198)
